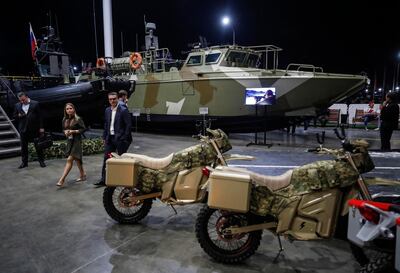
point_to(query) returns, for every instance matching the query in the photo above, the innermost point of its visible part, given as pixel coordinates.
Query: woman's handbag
(43, 142)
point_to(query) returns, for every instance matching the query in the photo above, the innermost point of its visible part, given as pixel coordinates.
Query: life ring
(100, 63)
(135, 60)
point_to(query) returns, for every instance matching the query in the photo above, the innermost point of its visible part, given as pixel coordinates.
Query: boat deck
(46, 229)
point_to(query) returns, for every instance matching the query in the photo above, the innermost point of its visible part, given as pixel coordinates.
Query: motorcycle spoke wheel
(118, 204)
(211, 233)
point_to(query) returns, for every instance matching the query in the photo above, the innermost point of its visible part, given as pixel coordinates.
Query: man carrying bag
(30, 126)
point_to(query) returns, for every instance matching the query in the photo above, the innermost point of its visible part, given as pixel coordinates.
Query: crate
(121, 172)
(229, 191)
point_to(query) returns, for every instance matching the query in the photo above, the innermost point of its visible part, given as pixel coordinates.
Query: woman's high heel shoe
(81, 179)
(60, 183)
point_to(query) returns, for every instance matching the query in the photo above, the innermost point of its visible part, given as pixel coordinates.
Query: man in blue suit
(117, 131)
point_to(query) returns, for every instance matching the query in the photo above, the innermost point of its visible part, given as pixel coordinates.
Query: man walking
(30, 126)
(123, 98)
(117, 131)
(389, 120)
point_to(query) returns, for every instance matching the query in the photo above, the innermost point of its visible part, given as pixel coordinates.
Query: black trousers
(386, 134)
(25, 139)
(113, 146)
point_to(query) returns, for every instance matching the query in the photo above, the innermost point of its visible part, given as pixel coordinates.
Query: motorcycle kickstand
(176, 213)
(279, 252)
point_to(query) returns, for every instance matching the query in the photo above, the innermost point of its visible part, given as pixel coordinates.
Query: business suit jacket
(390, 116)
(30, 123)
(122, 125)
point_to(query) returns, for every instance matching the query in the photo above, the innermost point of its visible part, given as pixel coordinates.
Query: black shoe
(42, 164)
(23, 165)
(101, 183)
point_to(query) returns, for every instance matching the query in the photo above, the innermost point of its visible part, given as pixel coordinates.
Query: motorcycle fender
(381, 181)
(229, 157)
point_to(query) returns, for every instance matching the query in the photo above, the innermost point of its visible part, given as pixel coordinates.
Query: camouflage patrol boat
(227, 84)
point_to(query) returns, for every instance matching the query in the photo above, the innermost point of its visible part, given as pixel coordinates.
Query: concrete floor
(46, 229)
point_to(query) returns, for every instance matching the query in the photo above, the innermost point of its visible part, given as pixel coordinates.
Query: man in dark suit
(389, 120)
(117, 131)
(30, 125)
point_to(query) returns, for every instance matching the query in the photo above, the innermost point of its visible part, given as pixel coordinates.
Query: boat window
(212, 58)
(194, 60)
(235, 58)
(252, 60)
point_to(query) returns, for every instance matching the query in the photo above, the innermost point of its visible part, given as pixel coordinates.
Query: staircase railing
(9, 121)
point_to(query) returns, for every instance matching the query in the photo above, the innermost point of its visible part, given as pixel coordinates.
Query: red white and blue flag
(33, 42)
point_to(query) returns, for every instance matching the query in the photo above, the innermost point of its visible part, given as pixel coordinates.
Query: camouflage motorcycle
(134, 180)
(305, 203)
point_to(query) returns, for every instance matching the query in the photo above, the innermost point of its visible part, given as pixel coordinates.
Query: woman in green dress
(73, 128)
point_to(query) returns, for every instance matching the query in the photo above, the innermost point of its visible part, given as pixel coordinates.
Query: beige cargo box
(121, 172)
(229, 191)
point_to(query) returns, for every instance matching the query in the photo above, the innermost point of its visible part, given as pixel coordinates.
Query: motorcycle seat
(273, 183)
(150, 162)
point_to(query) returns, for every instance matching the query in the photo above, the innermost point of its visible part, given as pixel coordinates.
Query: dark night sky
(341, 36)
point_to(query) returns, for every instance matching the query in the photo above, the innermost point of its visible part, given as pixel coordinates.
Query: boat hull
(224, 98)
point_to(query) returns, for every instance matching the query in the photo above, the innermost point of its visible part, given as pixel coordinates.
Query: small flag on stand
(33, 42)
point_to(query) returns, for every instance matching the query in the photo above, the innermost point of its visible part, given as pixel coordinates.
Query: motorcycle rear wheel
(117, 204)
(224, 248)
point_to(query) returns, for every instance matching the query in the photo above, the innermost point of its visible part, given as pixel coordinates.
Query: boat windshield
(252, 60)
(194, 60)
(212, 58)
(236, 58)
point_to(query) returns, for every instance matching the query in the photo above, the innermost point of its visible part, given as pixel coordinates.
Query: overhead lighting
(226, 20)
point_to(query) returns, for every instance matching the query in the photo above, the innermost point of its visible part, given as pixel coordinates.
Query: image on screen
(260, 96)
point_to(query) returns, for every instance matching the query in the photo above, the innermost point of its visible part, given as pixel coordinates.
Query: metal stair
(9, 137)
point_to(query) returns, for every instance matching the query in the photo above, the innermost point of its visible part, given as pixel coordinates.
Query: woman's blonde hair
(70, 121)
(65, 110)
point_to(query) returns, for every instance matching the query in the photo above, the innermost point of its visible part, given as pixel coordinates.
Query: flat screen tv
(260, 96)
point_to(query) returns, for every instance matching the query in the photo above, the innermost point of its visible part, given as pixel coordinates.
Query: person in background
(117, 131)
(123, 98)
(73, 128)
(30, 125)
(369, 114)
(389, 120)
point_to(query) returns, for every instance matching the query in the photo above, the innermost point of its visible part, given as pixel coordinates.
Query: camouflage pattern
(202, 154)
(220, 87)
(316, 176)
(89, 147)
(361, 157)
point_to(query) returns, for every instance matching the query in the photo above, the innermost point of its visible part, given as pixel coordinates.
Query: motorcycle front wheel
(119, 206)
(230, 249)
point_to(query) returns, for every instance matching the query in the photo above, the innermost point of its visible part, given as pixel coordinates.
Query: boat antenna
(122, 44)
(58, 31)
(144, 19)
(49, 18)
(95, 30)
(137, 43)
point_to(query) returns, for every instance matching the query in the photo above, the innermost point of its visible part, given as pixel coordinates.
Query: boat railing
(269, 51)
(5, 86)
(158, 60)
(304, 67)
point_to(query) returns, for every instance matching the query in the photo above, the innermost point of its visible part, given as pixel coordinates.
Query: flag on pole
(33, 42)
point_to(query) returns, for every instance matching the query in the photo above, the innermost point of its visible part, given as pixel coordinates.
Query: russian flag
(33, 42)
